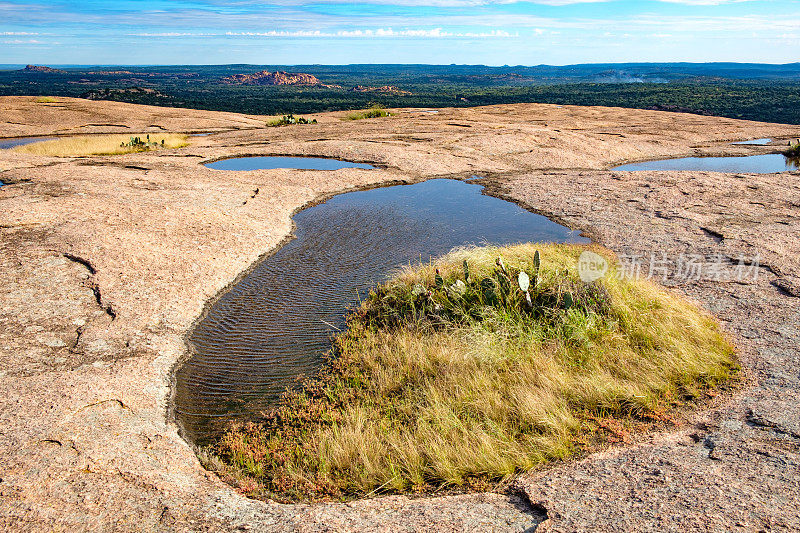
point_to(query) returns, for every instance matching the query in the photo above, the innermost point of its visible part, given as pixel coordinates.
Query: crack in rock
(95, 288)
(715, 235)
(787, 286)
(756, 420)
(81, 261)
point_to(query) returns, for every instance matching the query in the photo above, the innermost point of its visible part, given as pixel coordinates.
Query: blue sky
(488, 32)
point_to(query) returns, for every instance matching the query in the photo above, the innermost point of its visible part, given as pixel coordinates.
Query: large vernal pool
(272, 162)
(274, 325)
(753, 164)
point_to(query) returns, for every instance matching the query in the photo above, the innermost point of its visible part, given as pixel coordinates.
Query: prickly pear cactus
(488, 291)
(457, 289)
(568, 301)
(524, 281)
(439, 280)
(537, 262)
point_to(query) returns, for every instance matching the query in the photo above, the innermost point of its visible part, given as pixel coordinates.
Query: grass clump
(489, 362)
(46, 100)
(376, 111)
(85, 145)
(793, 150)
(289, 120)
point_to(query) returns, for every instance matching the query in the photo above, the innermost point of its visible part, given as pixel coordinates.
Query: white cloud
(704, 2)
(174, 34)
(718, 24)
(436, 33)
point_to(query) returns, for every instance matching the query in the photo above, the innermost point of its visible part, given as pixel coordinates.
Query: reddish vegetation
(272, 78)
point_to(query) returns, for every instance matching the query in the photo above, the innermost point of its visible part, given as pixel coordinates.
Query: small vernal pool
(272, 162)
(760, 142)
(274, 325)
(753, 164)
(5, 144)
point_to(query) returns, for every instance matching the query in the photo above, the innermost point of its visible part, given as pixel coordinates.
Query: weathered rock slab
(106, 262)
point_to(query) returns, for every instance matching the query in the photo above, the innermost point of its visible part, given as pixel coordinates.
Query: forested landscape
(749, 91)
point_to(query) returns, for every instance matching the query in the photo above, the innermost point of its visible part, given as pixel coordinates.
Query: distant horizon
(142, 65)
(431, 32)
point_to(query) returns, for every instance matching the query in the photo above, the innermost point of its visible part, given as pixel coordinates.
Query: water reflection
(754, 164)
(5, 144)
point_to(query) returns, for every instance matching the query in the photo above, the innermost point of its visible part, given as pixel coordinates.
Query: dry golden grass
(479, 393)
(84, 145)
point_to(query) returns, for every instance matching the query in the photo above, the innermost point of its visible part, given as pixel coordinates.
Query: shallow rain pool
(754, 164)
(5, 144)
(759, 142)
(274, 325)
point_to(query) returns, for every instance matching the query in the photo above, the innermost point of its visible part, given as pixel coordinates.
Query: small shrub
(376, 111)
(290, 120)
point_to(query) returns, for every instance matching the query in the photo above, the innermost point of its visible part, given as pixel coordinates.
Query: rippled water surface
(755, 164)
(274, 325)
(270, 162)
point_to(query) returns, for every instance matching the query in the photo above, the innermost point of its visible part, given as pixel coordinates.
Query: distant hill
(266, 77)
(43, 70)
(377, 75)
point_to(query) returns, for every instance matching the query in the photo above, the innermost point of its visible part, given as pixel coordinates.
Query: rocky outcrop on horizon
(39, 69)
(273, 78)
